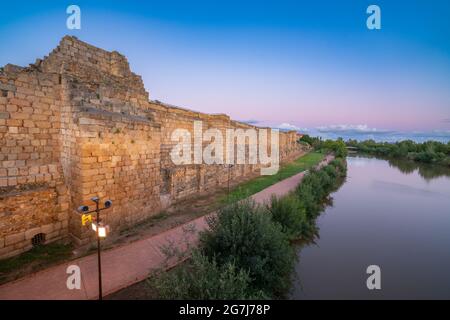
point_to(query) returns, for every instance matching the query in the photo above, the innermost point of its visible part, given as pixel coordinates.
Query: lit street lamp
(100, 229)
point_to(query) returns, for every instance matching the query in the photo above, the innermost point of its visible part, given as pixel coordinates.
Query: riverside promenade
(124, 265)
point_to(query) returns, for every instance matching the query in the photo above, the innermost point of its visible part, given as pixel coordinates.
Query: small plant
(173, 251)
(202, 278)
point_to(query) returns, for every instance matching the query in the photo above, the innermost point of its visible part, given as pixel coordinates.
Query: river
(393, 214)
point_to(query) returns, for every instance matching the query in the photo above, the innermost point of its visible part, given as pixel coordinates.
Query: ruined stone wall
(33, 196)
(112, 145)
(180, 181)
(79, 124)
(117, 158)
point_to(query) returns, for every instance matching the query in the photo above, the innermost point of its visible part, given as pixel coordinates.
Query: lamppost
(100, 229)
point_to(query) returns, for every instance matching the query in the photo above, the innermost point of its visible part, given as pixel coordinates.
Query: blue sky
(304, 65)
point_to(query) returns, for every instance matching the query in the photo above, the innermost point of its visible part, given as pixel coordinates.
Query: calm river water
(393, 214)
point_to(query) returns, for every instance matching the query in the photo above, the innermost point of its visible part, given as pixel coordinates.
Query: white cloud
(363, 132)
(288, 126)
(434, 133)
(251, 121)
(351, 129)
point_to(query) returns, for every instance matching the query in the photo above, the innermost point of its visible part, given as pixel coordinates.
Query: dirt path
(124, 265)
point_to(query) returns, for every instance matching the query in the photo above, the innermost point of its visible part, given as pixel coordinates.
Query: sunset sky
(280, 63)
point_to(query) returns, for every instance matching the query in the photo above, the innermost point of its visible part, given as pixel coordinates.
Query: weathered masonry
(79, 124)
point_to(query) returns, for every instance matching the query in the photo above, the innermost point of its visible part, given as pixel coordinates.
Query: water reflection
(312, 238)
(425, 170)
(386, 186)
(391, 213)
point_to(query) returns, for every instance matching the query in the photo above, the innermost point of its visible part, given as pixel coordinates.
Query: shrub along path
(128, 264)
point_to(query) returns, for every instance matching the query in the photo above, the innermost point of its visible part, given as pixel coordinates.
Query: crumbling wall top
(91, 64)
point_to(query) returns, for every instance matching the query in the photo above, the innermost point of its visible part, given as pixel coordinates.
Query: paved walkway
(122, 266)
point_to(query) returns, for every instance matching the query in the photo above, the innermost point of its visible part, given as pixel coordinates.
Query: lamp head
(82, 209)
(102, 230)
(108, 204)
(95, 199)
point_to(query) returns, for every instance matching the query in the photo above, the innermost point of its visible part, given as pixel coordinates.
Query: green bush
(308, 202)
(427, 152)
(291, 215)
(204, 279)
(326, 182)
(339, 166)
(316, 186)
(312, 182)
(244, 234)
(338, 147)
(314, 142)
(331, 171)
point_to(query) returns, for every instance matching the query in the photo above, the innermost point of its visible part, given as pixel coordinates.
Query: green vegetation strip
(431, 152)
(246, 252)
(258, 184)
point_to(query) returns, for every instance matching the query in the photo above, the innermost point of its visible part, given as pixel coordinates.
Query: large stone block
(14, 238)
(29, 234)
